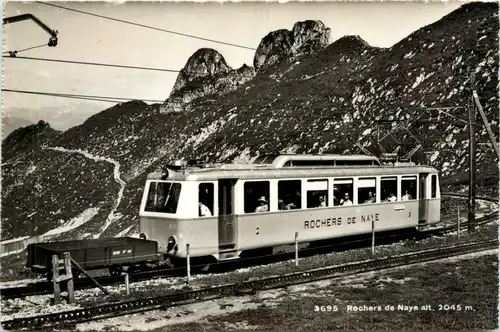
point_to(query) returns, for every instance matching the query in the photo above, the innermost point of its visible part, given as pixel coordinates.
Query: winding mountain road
(116, 174)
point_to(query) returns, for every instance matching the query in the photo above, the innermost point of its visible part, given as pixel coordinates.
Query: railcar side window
(317, 193)
(409, 188)
(433, 186)
(163, 197)
(205, 199)
(367, 190)
(388, 189)
(256, 196)
(343, 191)
(289, 194)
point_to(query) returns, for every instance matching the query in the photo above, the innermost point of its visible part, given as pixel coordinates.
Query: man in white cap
(263, 207)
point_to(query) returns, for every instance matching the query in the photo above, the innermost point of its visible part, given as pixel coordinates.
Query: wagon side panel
(143, 250)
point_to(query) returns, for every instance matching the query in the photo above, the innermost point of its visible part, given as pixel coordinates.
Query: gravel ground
(434, 295)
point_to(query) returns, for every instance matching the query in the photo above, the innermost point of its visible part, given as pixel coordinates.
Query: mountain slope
(328, 102)
(323, 99)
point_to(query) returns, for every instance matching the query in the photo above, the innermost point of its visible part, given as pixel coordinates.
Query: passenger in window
(283, 206)
(346, 200)
(160, 202)
(391, 198)
(263, 207)
(322, 202)
(406, 196)
(370, 199)
(203, 210)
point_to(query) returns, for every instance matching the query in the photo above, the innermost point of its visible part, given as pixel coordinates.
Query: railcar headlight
(142, 236)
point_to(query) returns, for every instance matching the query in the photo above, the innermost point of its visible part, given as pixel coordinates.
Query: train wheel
(115, 270)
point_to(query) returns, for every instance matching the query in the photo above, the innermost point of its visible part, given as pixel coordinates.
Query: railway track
(42, 288)
(71, 318)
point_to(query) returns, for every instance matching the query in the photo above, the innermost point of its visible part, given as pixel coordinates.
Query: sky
(87, 38)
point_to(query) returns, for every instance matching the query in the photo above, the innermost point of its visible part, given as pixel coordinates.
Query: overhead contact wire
(93, 64)
(79, 96)
(146, 26)
(24, 49)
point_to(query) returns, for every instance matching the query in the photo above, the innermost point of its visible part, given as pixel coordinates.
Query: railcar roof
(280, 160)
(252, 172)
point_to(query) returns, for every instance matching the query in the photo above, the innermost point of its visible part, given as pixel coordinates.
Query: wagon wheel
(115, 270)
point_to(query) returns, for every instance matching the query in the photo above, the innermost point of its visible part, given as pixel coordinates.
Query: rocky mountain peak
(349, 42)
(306, 37)
(204, 62)
(309, 36)
(206, 72)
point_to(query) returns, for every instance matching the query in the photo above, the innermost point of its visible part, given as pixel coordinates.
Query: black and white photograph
(227, 166)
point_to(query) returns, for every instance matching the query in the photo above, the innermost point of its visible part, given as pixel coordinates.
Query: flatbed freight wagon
(115, 254)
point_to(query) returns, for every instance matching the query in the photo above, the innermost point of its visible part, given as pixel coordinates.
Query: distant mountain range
(302, 95)
(60, 117)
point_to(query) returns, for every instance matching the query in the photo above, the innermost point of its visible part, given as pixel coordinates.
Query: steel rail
(42, 288)
(73, 317)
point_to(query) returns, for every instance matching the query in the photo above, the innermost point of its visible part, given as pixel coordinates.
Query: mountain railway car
(224, 210)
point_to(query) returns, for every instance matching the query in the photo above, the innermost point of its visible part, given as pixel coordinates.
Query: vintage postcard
(188, 166)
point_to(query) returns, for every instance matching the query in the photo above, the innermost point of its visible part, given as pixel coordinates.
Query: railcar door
(422, 202)
(226, 214)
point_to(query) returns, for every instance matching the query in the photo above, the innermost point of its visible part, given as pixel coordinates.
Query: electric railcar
(223, 210)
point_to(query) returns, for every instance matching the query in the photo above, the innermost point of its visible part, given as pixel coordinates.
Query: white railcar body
(329, 201)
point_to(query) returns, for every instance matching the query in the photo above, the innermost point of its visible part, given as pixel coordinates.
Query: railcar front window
(163, 197)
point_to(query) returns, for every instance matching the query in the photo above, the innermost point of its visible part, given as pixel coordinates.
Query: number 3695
(326, 308)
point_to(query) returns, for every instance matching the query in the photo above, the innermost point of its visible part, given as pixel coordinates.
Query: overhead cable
(110, 65)
(95, 64)
(79, 96)
(146, 26)
(13, 53)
